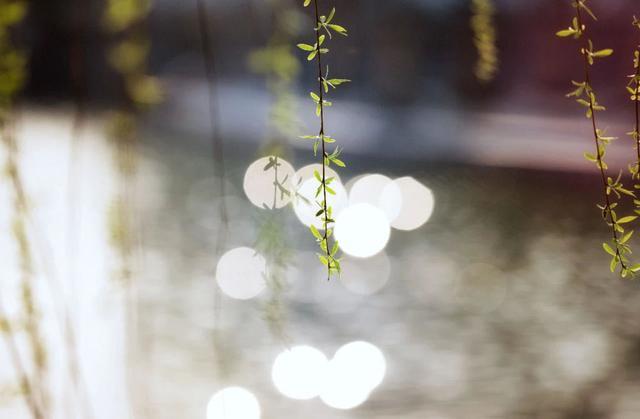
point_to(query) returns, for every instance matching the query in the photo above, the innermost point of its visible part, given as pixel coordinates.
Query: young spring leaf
(608, 249)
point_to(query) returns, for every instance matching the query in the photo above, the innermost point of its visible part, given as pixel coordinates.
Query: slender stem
(637, 110)
(592, 110)
(210, 71)
(275, 181)
(325, 214)
(208, 57)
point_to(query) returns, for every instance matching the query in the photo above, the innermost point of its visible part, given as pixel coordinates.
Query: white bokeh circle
(299, 372)
(362, 230)
(379, 191)
(233, 403)
(240, 273)
(355, 370)
(417, 204)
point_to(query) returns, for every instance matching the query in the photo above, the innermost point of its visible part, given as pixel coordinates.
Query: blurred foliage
(484, 38)
(122, 14)
(277, 63)
(125, 21)
(12, 61)
(271, 242)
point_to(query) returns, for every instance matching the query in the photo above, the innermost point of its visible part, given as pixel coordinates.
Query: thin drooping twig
(324, 23)
(596, 138)
(325, 215)
(585, 95)
(635, 96)
(637, 111)
(14, 353)
(206, 47)
(216, 140)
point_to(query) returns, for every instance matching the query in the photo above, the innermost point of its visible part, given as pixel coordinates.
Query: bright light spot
(417, 204)
(364, 360)
(341, 392)
(356, 369)
(299, 373)
(362, 230)
(240, 273)
(306, 211)
(233, 403)
(365, 276)
(259, 183)
(379, 191)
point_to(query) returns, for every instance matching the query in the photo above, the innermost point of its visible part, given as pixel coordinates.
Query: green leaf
(315, 232)
(338, 82)
(272, 162)
(335, 248)
(324, 260)
(340, 29)
(586, 9)
(627, 219)
(331, 15)
(613, 264)
(566, 32)
(603, 53)
(307, 2)
(608, 249)
(306, 47)
(626, 237)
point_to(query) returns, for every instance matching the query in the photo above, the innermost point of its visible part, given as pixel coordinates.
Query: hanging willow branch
(324, 27)
(612, 189)
(633, 87)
